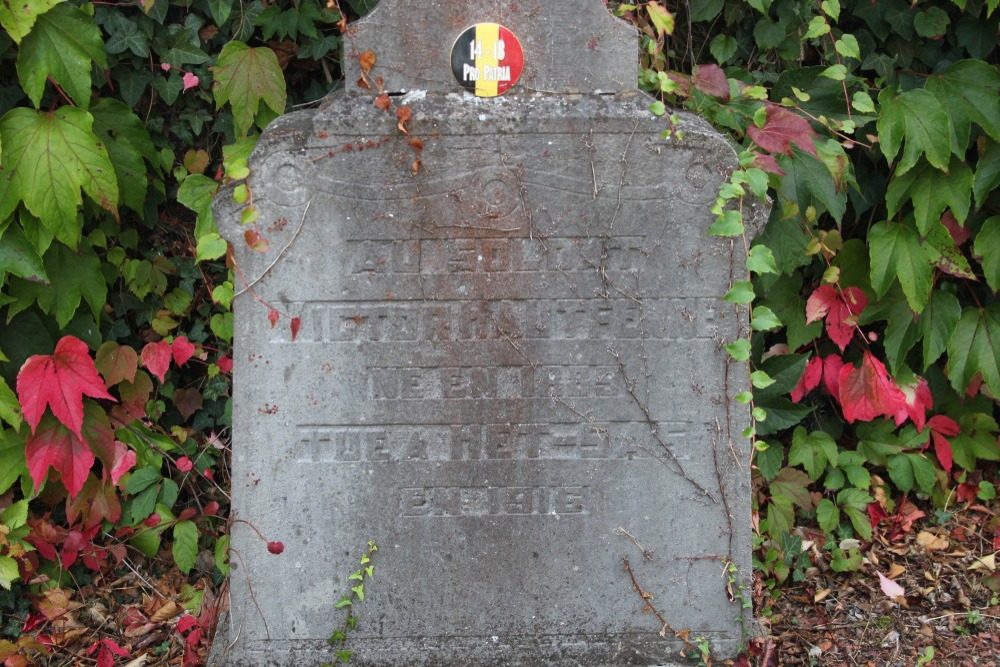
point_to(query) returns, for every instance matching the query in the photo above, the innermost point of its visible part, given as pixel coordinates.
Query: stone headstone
(508, 370)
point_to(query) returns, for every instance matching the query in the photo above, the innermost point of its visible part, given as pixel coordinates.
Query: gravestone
(508, 369)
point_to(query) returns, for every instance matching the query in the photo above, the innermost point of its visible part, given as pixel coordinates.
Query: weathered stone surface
(505, 362)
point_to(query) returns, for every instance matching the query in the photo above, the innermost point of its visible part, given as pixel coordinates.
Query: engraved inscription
(666, 319)
(472, 382)
(473, 501)
(485, 442)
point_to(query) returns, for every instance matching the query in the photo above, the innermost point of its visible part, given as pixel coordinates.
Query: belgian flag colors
(487, 59)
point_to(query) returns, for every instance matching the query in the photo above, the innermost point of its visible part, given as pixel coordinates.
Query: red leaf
(958, 233)
(876, 513)
(152, 520)
(841, 310)
(135, 394)
(942, 448)
(868, 392)
(55, 445)
(156, 358)
(944, 425)
(182, 349)
(59, 380)
(211, 509)
(711, 80)
(768, 163)
(225, 364)
(186, 622)
(184, 464)
(116, 363)
(831, 374)
(966, 492)
(272, 317)
(782, 128)
(296, 323)
(917, 401)
(123, 462)
(275, 547)
(809, 380)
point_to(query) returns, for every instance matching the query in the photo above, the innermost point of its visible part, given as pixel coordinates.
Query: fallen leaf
(931, 542)
(890, 587)
(895, 569)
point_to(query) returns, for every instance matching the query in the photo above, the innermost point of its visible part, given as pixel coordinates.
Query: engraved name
(692, 318)
(457, 501)
(474, 382)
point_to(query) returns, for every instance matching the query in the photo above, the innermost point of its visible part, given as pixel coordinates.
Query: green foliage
(348, 601)
(873, 287)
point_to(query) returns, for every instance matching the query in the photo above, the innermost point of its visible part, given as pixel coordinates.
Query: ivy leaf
(59, 381)
(53, 445)
(931, 194)
(722, 47)
(17, 18)
(918, 116)
(185, 547)
(197, 192)
(975, 348)
(987, 251)
(62, 45)
(781, 129)
(125, 35)
(867, 392)
(897, 254)
(968, 89)
(246, 76)
(48, 158)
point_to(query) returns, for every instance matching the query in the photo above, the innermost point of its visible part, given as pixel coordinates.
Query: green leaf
(17, 18)
(12, 461)
(987, 172)
(8, 571)
(344, 602)
(931, 193)
(185, 547)
(705, 10)
(901, 333)
(845, 562)
(863, 102)
(662, 20)
(813, 451)
(16, 515)
(75, 276)
(918, 116)
(987, 251)
(827, 515)
(739, 350)
(127, 142)
(808, 179)
(764, 319)
(831, 8)
(62, 45)
(729, 223)
(897, 254)
(937, 324)
(246, 76)
(817, 27)
(945, 254)
(658, 108)
(761, 260)
(741, 292)
(975, 348)
(722, 47)
(48, 158)
(968, 89)
(931, 23)
(125, 36)
(210, 246)
(10, 408)
(760, 379)
(768, 460)
(19, 257)
(142, 479)
(781, 414)
(197, 192)
(835, 72)
(847, 46)
(220, 10)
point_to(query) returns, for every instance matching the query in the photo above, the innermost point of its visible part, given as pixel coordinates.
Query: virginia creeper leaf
(711, 80)
(987, 250)
(127, 142)
(662, 20)
(937, 323)
(842, 310)
(975, 348)
(918, 116)
(156, 358)
(116, 362)
(897, 254)
(48, 158)
(783, 128)
(12, 462)
(917, 400)
(53, 445)
(812, 451)
(931, 194)
(867, 392)
(987, 172)
(945, 253)
(60, 381)
(19, 257)
(17, 18)
(61, 45)
(808, 180)
(246, 76)
(968, 90)
(810, 379)
(185, 547)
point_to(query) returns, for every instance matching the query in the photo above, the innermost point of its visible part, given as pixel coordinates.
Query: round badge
(487, 59)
